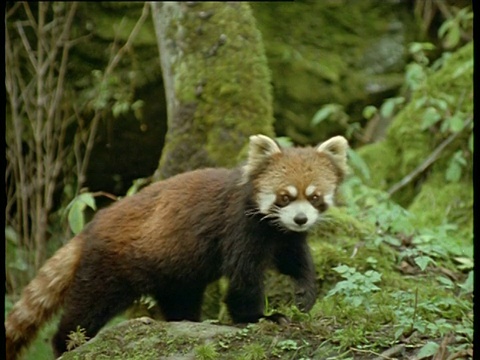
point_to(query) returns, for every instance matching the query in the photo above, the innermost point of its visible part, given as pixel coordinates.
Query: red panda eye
(318, 202)
(283, 200)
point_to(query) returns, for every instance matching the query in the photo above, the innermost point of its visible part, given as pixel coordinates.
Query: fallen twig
(390, 353)
(442, 352)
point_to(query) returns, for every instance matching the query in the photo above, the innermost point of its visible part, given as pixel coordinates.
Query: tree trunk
(217, 83)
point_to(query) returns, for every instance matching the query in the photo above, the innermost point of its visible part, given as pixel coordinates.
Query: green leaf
(369, 111)
(388, 107)
(446, 282)
(356, 301)
(420, 102)
(465, 263)
(76, 218)
(416, 47)
(88, 199)
(440, 104)
(442, 30)
(373, 276)
(11, 235)
(325, 112)
(460, 158)
(399, 333)
(342, 269)
(415, 75)
(358, 163)
(452, 37)
(137, 184)
(284, 141)
(287, 345)
(423, 261)
(454, 171)
(455, 123)
(119, 108)
(467, 286)
(430, 117)
(466, 67)
(429, 349)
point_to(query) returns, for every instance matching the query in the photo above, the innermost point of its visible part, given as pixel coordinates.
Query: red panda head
(294, 186)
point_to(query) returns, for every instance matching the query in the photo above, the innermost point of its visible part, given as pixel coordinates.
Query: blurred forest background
(103, 98)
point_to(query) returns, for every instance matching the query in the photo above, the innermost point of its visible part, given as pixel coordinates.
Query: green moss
(221, 75)
(441, 203)
(333, 55)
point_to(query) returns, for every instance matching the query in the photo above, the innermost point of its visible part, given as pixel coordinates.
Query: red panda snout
(299, 215)
(300, 219)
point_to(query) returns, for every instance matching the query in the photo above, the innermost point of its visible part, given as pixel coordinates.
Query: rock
(145, 338)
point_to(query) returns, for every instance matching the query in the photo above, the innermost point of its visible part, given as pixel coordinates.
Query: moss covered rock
(144, 338)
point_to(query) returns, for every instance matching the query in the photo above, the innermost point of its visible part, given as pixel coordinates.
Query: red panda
(176, 236)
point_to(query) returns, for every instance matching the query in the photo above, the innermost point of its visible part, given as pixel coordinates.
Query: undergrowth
(420, 300)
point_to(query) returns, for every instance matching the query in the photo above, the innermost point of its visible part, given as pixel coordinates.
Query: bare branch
(429, 160)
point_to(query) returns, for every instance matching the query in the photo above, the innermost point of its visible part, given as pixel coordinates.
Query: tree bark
(217, 83)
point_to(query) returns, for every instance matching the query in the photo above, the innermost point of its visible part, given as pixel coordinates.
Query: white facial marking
(292, 190)
(265, 202)
(328, 198)
(288, 214)
(310, 190)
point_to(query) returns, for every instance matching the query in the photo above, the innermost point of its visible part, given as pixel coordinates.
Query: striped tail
(42, 297)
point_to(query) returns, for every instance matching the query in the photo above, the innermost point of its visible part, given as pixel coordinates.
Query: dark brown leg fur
(181, 303)
(94, 298)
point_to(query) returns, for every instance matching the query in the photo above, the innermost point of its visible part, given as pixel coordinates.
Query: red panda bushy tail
(41, 298)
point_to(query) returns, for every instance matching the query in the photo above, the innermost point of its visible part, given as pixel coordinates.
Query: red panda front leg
(245, 300)
(293, 258)
(245, 305)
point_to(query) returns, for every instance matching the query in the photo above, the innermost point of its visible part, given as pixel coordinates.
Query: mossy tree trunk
(217, 83)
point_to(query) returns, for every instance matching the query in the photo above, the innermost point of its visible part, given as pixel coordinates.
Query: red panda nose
(300, 219)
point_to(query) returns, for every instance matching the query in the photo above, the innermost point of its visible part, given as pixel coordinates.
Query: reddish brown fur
(42, 297)
(170, 241)
(316, 169)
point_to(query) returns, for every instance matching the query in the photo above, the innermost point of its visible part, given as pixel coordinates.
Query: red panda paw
(305, 298)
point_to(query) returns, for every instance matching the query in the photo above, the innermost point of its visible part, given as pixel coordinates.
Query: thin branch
(28, 11)
(106, 194)
(415, 307)
(429, 160)
(12, 10)
(20, 161)
(27, 46)
(130, 40)
(111, 66)
(370, 352)
(389, 353)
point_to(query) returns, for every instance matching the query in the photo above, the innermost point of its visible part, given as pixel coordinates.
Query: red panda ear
(261, 149)
(262, 146)
(336, 147)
